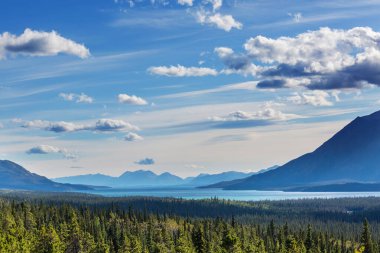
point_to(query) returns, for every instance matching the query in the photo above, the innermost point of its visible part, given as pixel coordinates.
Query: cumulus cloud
(186, 2)
(113, 125)
(322, 59)
(314, 98)
(236, 63)
(130, 136)
(181, 71)
(146, 161)
(59, 126)
(39, 43)
(78, 98)
(268, 113)
(224, 22)
(133, 100)
(102, 125)
(47, 149)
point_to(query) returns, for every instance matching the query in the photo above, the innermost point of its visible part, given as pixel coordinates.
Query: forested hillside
(68, 224)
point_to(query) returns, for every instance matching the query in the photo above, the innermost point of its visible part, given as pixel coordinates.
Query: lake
(194, 193)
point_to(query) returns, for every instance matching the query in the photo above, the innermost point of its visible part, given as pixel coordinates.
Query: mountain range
(146, 178)
(351, 156)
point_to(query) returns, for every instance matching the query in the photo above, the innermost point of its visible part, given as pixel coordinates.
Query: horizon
(184, 87)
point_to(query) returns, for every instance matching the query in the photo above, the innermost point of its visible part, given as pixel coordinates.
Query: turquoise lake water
(191, 193)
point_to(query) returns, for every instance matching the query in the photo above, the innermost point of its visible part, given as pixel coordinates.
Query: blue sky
(190, 86)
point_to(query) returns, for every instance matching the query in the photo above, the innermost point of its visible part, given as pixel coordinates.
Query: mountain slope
(206, 179)
(89, 179)
(351, 155)
(14, 176)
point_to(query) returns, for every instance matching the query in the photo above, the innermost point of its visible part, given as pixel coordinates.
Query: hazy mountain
(143, 178)
(89, 179)
(351, 155)
(207, 179)
(147, 178)
(15, 177)
(128, 179)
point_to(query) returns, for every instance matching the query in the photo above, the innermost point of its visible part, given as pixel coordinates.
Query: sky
(181, 86)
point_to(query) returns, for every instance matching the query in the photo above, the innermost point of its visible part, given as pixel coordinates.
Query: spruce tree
(366, 238)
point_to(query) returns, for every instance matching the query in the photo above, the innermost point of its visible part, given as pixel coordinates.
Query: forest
(58, 222)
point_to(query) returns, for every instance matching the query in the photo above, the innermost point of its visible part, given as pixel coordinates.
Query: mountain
(143, 178)
(147, 178)
(140, 178)
(89, 179)
(15, 177)
(207, 179)
(351, 155)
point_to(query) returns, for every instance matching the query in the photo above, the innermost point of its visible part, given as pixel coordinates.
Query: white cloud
(113, 125)
(224, 22)
(130, 136)
(296, 16)
(185, 2)
(182, 71)
(216, 4)
(102, 125)
(78, 98)
(39, 43)
(60, 126)
(315, 98)
(322, 59)
(267, 113)
(47, 149)
(133, 100)
(331, 53)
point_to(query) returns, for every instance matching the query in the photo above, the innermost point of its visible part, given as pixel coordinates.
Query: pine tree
(199, 240)
(366, 239)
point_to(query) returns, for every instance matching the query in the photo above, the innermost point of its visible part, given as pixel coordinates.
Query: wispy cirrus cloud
(39, 43)
(182, 71)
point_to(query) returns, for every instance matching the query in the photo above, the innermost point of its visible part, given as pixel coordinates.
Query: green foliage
(61, 226)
